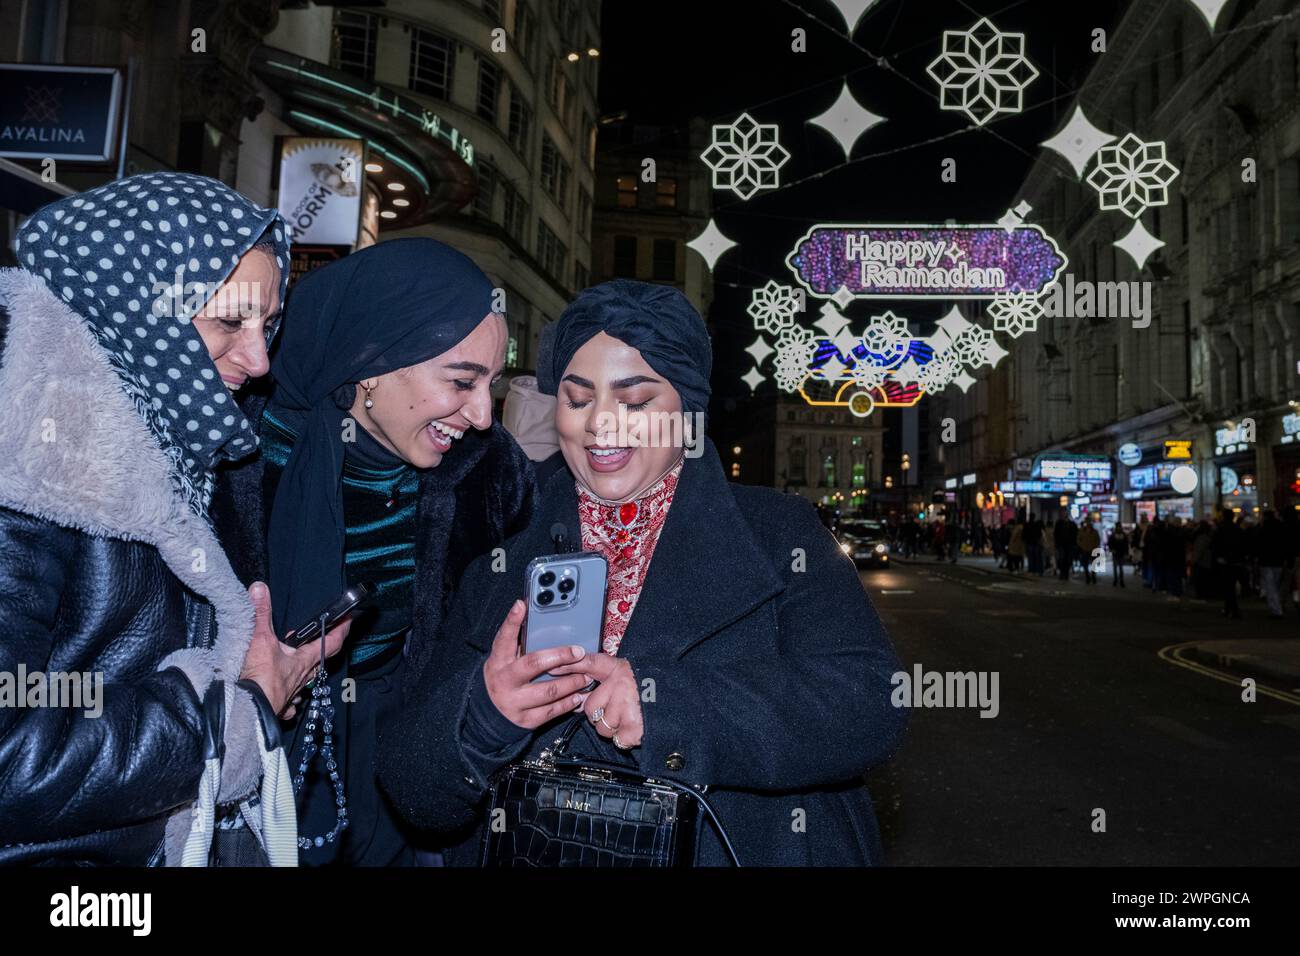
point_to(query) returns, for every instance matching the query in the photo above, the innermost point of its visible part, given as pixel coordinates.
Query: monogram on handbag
(563, 810)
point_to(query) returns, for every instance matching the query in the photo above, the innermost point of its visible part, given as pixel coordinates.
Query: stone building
(1217, 365)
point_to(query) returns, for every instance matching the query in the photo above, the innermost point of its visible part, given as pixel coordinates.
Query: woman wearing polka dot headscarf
(140, 307)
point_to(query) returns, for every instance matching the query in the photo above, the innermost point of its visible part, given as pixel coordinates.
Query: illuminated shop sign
(967, 480)
(921, 261)
(1151, 476)
(1130, 454)
(1079, 468)
(1178, 449)
(950, 483)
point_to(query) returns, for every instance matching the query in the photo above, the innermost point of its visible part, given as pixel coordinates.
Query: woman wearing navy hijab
(381, 462)
(739, 651)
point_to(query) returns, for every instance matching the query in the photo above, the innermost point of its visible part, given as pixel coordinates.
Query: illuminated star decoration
(982, 72)
(773, 307)
(853, 11)
(964, 343)
(1132, 176)
(745, 156)
(1210, 9)
(1139, 244)
(710, 244)
(846, 120)
(1016, 313)
(1078, 141)
(887, 339)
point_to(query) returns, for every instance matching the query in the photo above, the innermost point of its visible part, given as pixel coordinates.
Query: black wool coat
(771, 675)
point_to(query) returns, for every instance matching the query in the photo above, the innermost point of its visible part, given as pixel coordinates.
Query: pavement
(1273, 659)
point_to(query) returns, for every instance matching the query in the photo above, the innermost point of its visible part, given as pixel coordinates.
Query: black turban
(656, 320)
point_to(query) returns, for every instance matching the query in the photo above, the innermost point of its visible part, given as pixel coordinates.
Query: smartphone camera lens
(546, 579)
(545, 597)
(566, 586)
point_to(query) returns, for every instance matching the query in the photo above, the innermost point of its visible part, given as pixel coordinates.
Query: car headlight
(845, 548)
(880, 549)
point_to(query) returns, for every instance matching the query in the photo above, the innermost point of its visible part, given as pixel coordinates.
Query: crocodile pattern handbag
(561, 810)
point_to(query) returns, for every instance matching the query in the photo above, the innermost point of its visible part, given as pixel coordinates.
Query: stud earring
(368, 402)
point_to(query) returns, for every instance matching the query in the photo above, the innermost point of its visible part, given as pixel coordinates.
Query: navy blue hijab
(656, 320)
(389, 306)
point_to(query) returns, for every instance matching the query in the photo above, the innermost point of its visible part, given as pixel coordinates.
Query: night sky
(669, 60)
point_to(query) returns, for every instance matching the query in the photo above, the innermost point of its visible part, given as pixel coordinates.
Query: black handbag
(564, 810)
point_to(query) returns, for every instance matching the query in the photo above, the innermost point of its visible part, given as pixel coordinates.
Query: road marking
(895, 591)
(1173, 655)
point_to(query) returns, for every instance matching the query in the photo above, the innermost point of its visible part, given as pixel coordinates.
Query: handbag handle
(560, 758)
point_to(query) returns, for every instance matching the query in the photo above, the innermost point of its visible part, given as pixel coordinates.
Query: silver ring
(619, 744)
(598, 716)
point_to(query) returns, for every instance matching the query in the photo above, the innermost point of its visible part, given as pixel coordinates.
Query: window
(625, 257)
(665, 260)
(486, 188)
(525, 31)
(550, 251)
(584, 212)
(798, 459)
(555, 172)
(859, 474)
(521, 119)
(354, 43)
(591, 143)
(489, 88)
(432, 62)
(828, 469)
(515, 212)
(559, 89)
(627, 192)
(666, 194)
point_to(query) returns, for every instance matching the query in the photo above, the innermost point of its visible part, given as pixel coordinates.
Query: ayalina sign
(920, 262)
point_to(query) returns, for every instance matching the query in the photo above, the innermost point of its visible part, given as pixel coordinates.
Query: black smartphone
(351, 599)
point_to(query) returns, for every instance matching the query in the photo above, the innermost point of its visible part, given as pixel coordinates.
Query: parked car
(865, 541)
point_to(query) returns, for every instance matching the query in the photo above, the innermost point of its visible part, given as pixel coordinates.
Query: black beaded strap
(321, 709)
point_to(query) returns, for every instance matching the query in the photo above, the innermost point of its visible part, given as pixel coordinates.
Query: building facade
(653, 196)
(1213, 381)
(512, 82)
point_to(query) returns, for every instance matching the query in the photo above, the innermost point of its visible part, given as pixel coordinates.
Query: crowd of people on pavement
(1227, 557)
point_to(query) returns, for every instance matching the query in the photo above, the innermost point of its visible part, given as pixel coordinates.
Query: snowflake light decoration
(792, 358)
(982, 72)
(939, 371)
(973, 346)
(773, 307)
(1132, 176)
(868, 375)
(1016, 313)
(745, 156)
(887, 338)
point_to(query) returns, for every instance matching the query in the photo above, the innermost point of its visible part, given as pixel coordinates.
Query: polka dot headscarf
(137, 259)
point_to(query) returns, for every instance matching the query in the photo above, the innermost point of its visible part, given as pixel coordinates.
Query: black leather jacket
(76, 788)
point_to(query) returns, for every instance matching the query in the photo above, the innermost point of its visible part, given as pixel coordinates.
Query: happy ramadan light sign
(919, 262)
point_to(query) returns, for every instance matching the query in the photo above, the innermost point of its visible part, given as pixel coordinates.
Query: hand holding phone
(351, 599)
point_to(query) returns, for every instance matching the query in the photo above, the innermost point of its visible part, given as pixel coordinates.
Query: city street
(1091, 716)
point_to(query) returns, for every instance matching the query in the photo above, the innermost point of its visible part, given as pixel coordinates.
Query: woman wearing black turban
(381, 463)
(740, 651)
